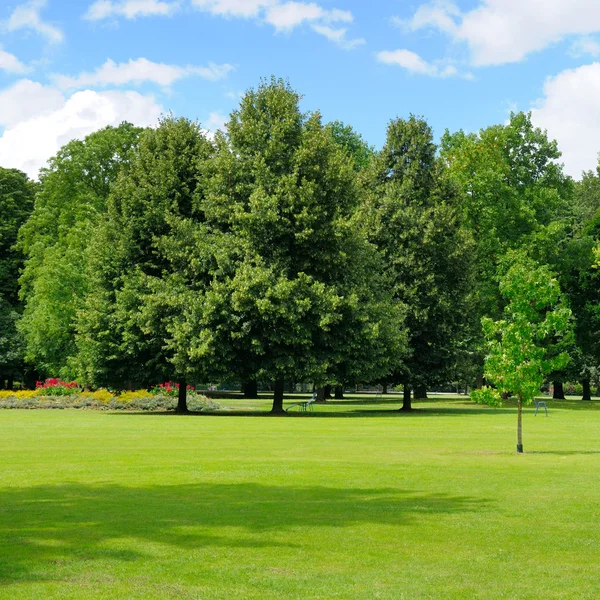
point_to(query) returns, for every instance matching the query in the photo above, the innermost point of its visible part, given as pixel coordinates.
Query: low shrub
(104, 400)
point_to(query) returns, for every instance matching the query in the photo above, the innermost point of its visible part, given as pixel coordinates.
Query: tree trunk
(406, 403)
(587, 389)
(559, 392)
(10, 383)
(339, 392)
(278, 397)
(384, 388)
(250, 390)
(327, 392)
(420, 392)
(320, 394)
(182, 408)
(519, 424)
(479, 381)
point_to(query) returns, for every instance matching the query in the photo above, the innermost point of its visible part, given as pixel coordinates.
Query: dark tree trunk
(420, 392)
(182, 408)
(587, 389)
(250, 390)
(559, 392)
(2, 384)
(406, 403)
(278, 397)
(384, 389)
(339, 392)
(10, 383)
(479, 381)
(327, 392)
(320, 394)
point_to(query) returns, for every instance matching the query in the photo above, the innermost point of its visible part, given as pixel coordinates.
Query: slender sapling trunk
(519, 424)
(182, 408)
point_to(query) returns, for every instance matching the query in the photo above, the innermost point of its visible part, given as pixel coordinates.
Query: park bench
(304, 406)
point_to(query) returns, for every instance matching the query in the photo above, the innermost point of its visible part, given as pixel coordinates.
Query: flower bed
(139, 400)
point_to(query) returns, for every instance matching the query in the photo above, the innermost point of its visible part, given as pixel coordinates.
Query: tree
(352, 143)
(514, 194)
(16, 204)
(70, 202)
(148, 266)
(410, 215)
(520, 344)
(297, 297)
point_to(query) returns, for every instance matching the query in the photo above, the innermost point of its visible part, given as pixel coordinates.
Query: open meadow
(355, 501)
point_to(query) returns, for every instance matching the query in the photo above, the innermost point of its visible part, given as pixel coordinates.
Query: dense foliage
(286, 249)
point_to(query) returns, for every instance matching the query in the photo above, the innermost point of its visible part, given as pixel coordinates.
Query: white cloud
(585, 46)
(27, 144)
(415, 64)
(570, 111)
(289, 15)
(234, 8)
(139, 71)
(26, 99)
(338, 36)
(504, 31)
(130, 9)
(27, 16)
(286, 16)
(10, 63)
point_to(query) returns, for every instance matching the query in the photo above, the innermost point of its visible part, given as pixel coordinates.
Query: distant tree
(16, 204)
(70, 202)
(520, 345)
(410, 215)
(298, 295)
(148, 266)
(352, 143)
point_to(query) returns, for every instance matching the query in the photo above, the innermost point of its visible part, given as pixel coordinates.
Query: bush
(104, 400)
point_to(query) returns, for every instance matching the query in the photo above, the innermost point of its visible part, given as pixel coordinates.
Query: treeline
(286, 249)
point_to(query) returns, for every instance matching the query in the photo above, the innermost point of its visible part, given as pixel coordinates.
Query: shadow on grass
(47, 527)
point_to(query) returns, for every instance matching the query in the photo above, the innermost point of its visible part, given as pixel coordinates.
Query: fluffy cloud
(570, 112)
(138, 71)
(26, 99)
(27, 16)
(11, 63)
(286, 16)
(504, 31)
(415, 64)
(289, 15)
(49, 121)
(130, 9)
(338, 36)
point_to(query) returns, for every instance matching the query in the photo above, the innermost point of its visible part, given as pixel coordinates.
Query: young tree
(297, 296)
(520, 344)
(70, 202)
(16, 204)
(148, 266)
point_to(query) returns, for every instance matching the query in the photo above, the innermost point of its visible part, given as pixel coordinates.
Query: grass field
(354, 501)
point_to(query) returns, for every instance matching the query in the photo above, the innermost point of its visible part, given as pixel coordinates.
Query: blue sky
(69, 67)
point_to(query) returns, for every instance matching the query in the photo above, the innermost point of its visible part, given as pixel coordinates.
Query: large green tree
(148, 265)
(16, 204)
(514, 194)
(410, 214)
(70, 201)
(521, 344)
(300, 298)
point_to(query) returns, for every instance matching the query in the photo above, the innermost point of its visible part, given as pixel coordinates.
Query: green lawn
(354, 501)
